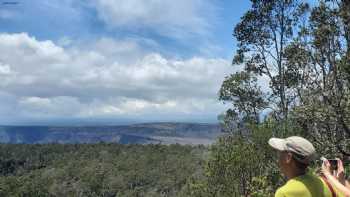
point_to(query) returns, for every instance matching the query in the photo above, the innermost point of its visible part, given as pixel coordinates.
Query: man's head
(294, 154)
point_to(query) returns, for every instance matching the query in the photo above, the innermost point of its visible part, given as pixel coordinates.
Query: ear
(289, 158)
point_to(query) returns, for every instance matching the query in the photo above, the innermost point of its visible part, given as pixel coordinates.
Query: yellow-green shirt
(307, 185)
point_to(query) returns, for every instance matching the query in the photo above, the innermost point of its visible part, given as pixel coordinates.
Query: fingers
(326, 163)
(326, 166)
(339, 163)
(340, 170)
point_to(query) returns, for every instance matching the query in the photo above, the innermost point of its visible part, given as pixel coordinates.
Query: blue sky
(115, 60)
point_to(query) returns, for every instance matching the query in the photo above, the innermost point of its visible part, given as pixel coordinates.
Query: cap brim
(278, 143)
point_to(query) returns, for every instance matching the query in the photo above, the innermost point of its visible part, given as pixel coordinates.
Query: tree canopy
(294, 81)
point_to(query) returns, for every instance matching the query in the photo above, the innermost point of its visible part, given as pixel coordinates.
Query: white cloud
(50, 107)
(5, 69)
(167, 17)
(109, 78)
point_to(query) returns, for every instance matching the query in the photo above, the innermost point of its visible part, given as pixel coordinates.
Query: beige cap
(303, 150)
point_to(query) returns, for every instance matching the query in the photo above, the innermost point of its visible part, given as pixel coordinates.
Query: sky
(115, 61)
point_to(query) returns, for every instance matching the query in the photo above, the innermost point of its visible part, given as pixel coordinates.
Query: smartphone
(334, 164)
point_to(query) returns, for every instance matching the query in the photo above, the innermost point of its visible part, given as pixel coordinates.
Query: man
(294, 156)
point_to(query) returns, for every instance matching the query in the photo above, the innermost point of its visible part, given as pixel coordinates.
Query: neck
(295, 173)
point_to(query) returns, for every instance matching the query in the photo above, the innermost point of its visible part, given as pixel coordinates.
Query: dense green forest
(99, 169)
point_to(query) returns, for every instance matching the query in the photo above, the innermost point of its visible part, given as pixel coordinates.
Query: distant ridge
(142, 133)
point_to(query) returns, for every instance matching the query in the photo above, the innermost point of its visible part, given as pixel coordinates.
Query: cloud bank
(107, 78)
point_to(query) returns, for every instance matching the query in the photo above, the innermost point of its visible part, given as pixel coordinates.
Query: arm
(347, 184)
(333, 180)
(340, 175)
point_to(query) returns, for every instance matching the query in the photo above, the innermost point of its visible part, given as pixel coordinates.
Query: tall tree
(318, 60)
(303, 54)
(263, 34)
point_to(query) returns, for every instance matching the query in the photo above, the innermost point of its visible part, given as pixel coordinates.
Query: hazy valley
(148, 133)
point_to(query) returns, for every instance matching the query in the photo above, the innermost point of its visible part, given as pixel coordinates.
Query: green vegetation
(98, 169)
(301, 53)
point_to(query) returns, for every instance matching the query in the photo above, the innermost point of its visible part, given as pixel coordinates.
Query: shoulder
(292, 188)
(280, 192)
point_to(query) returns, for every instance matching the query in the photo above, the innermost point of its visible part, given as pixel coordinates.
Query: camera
(334, 164)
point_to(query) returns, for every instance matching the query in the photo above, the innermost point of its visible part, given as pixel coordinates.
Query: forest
(99, 169)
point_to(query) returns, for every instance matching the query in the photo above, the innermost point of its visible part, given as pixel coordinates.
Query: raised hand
(326, 167)
(340, 175)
